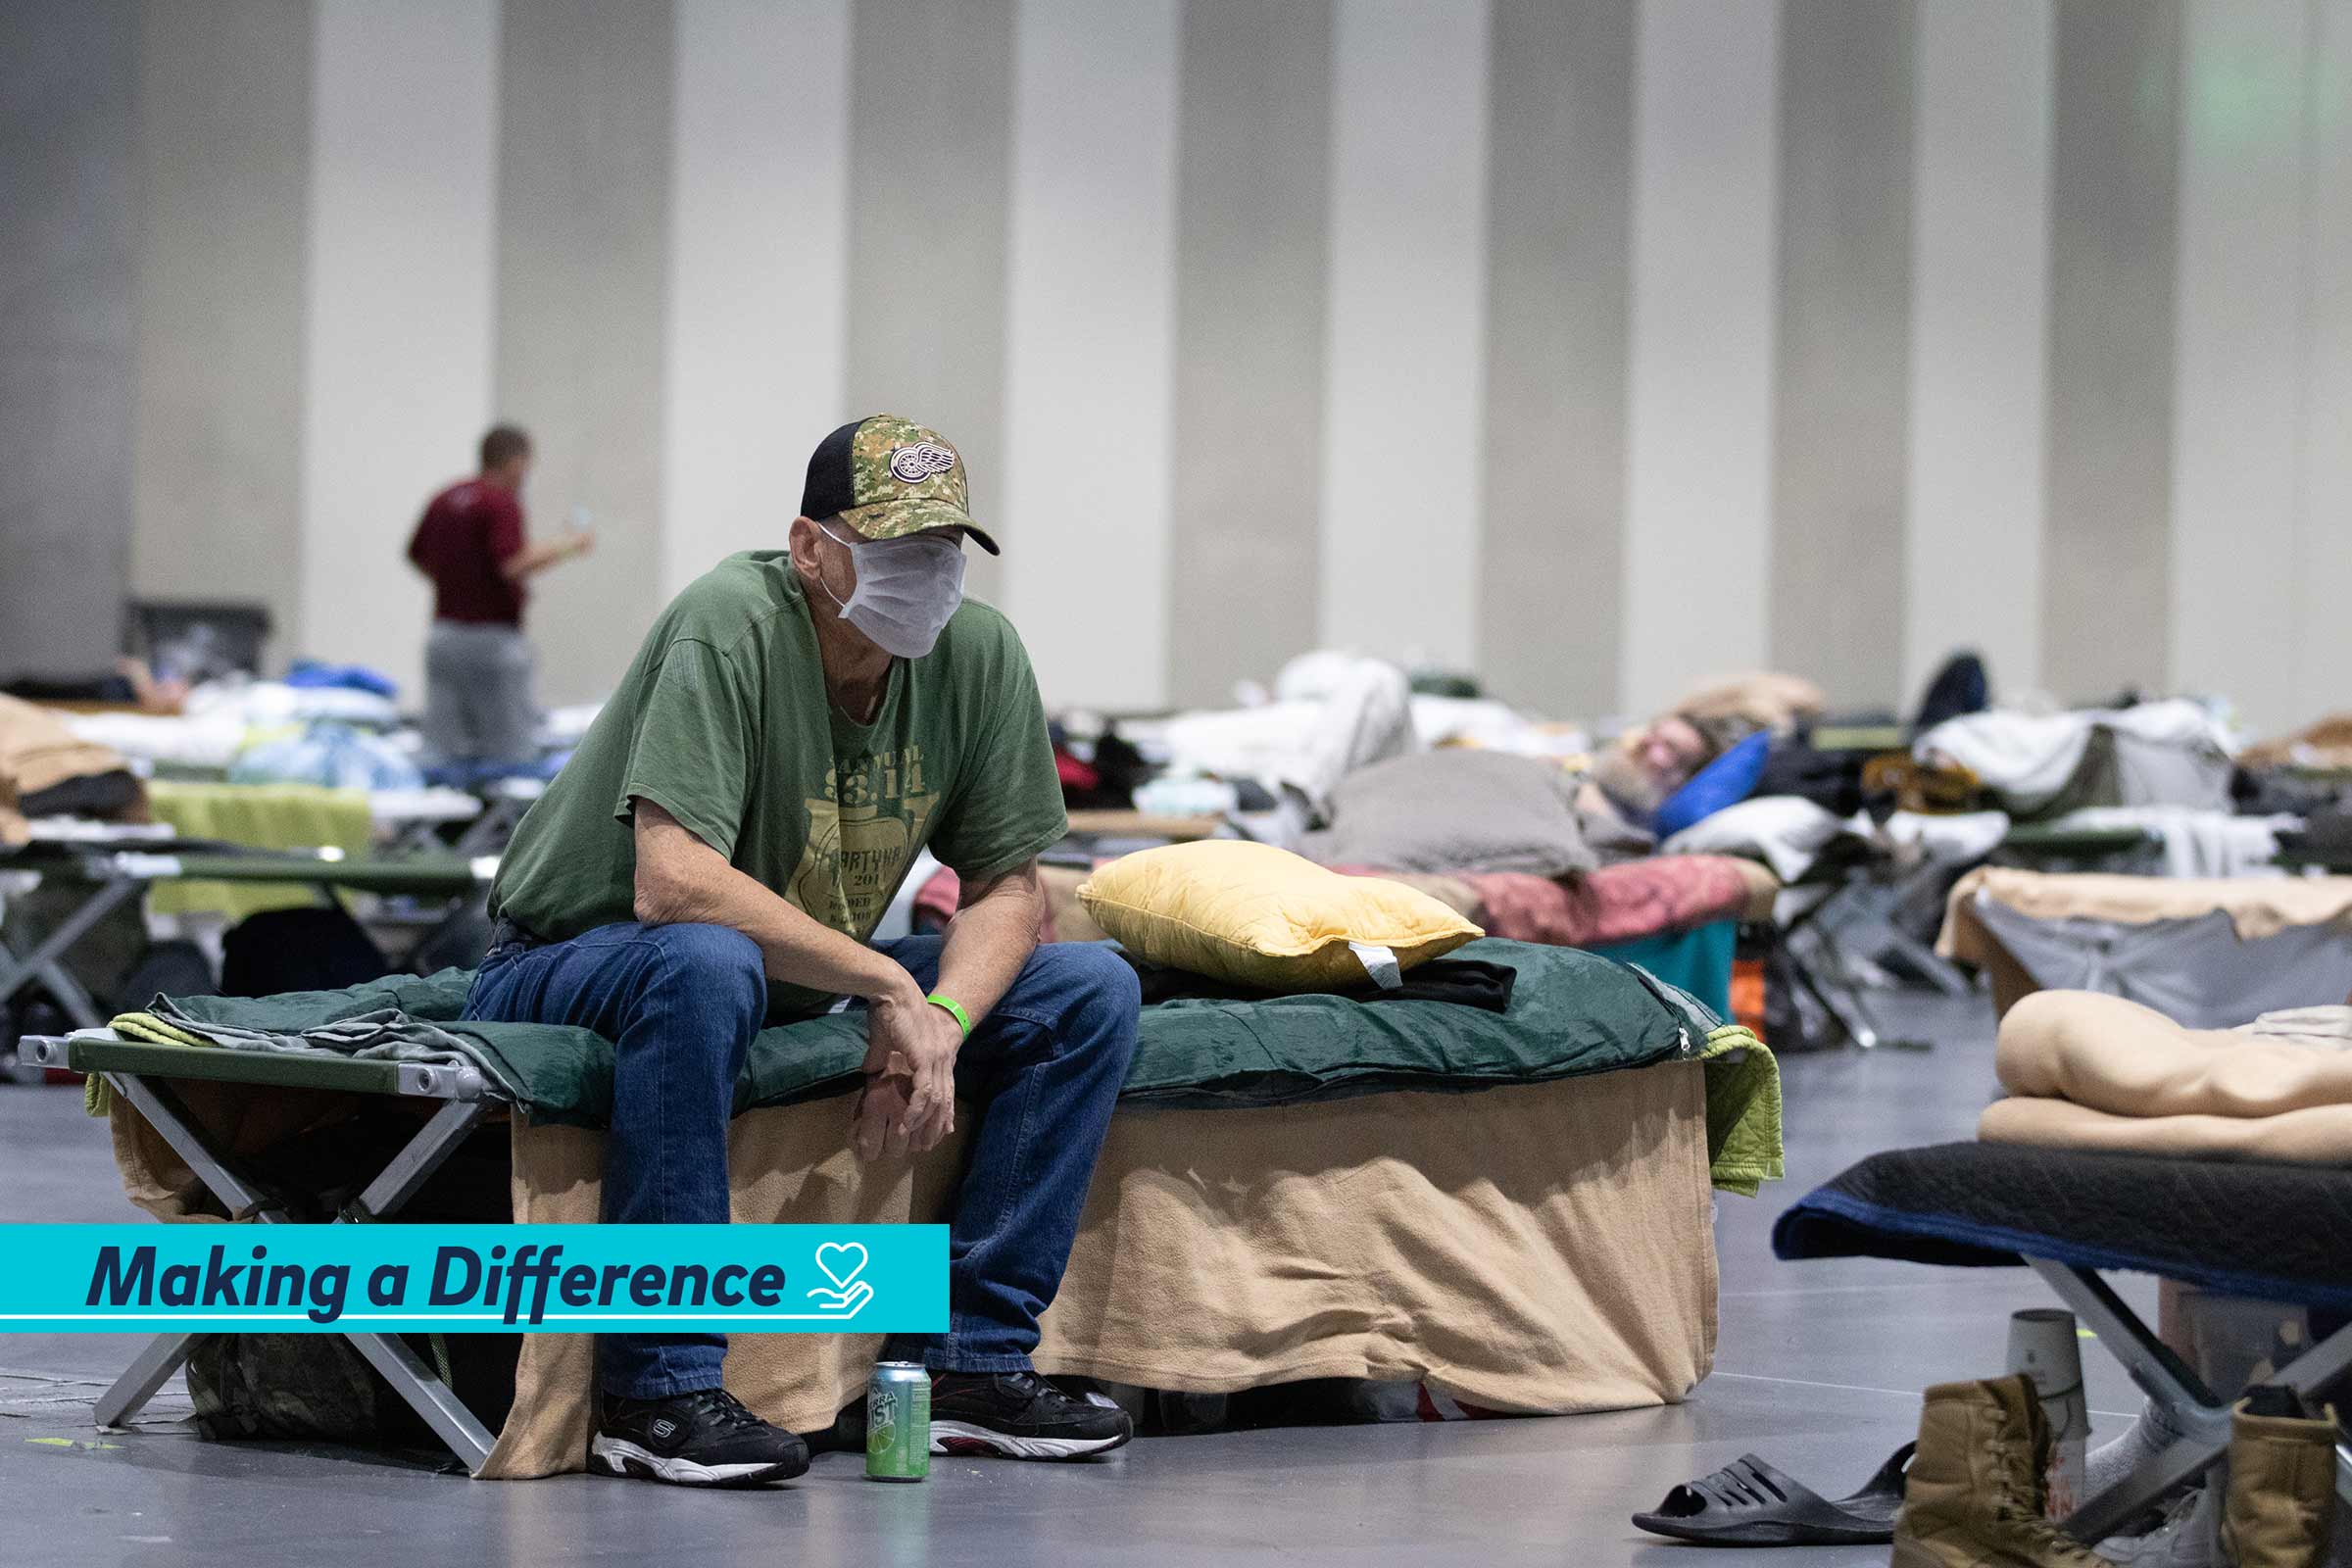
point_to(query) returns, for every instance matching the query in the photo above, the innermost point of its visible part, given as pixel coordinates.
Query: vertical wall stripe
(2106, 587)
(930, 176)
(2322, 564)
(1559, 184)
(67, 137)
(224, 118)
(1252, 202)
(1980, 340)
(1698, 487)
(583, 206)
(397, 351)
(1404, 347)
(2239, 377)
(1842, 430)
(1090, 353)
(758, 257)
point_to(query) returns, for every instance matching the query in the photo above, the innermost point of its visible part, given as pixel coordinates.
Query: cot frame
(2201, 1416)
(116, 875)
(464, 1103)
(44, 965)
(1837, 943)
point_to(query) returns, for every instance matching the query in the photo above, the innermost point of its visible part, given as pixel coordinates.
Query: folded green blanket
(1572, 1013)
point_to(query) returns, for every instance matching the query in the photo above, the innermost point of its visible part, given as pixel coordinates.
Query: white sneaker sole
(1006, 1445)
(617, 1457)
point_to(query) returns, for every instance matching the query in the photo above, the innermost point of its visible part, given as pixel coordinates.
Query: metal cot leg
(393, 1187)
(44, 962)
(430, 1397)
(2202, 1419)
(165, 1354)
(1814, 964)
(169, 1116)
(418, 1159)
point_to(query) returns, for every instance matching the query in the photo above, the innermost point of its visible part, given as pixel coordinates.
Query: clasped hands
(909, 1101)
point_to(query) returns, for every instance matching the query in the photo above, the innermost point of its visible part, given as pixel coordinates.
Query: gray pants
(477, 694)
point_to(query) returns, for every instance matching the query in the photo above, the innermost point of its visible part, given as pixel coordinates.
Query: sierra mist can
(897, 1422)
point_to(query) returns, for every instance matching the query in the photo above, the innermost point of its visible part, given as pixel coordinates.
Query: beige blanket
(2258, 906)
(37, 753)
(2090, 1071)
(1542, 1249)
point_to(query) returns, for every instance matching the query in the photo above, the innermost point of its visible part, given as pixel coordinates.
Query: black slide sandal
(1750, 1503)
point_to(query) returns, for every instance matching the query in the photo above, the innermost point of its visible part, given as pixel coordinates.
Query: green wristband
(955, 1011)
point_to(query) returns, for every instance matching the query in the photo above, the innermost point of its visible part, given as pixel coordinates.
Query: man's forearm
(990, 939)
(798, 950)
(534, 558)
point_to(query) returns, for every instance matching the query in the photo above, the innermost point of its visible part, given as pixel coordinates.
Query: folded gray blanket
(387, 1034)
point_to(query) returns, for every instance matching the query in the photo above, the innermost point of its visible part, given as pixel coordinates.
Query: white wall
(2238, 323)
(2320, 567)
(1090, 349)
(396, 308)
(1980, 287)
(1698, 485)
(1210, 304)
(1404, 341)
(758, 257)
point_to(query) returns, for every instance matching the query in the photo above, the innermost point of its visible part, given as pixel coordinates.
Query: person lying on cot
(798, 723)
(1638, 773)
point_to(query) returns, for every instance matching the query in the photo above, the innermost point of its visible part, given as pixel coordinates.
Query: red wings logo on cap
(919, 462)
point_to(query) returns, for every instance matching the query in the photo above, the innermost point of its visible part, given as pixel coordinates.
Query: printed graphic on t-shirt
(862, 835)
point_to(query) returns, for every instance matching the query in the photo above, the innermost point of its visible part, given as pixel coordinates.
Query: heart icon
(834, 1252)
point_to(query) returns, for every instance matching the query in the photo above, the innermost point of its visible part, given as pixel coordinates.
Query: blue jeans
(681, 1003)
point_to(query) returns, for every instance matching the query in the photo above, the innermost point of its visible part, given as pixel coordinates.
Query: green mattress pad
(1572, 1014)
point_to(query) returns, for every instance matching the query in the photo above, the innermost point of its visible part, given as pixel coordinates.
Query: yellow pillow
(1262, 917)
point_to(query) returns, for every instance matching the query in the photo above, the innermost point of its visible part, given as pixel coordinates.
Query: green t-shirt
(724, 722)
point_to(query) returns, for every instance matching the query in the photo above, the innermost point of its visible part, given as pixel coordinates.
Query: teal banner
(461, 1279)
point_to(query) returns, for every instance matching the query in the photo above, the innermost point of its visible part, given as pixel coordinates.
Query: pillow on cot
(1255, 916)
(1726, 781)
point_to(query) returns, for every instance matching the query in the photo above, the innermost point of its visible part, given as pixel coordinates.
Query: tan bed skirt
(1544, 1249)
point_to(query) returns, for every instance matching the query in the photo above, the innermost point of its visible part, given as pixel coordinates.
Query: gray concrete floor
(1819, 1370)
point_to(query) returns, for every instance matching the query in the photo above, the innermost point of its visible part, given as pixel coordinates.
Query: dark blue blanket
(2273, 1232)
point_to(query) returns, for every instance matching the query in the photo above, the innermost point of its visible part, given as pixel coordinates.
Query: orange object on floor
(1747, 996)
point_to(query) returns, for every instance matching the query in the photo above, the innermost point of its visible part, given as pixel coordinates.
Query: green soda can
(897, 1422)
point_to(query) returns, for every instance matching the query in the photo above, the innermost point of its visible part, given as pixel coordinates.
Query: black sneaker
(705, 1439)
(1019, 1415)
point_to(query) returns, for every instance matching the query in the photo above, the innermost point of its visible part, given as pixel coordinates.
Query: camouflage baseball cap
(889, 477)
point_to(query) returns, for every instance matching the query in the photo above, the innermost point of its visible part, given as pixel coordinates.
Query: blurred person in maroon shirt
(478, 705)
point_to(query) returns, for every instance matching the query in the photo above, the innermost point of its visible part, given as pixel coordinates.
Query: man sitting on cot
(797, 726)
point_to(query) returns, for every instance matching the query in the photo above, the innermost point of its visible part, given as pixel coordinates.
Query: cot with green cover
(1539, 1245)
(144, 1073)
(2058, 847)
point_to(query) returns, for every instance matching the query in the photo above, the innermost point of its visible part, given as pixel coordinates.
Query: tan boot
(2281, 1496)
(1977, 1486)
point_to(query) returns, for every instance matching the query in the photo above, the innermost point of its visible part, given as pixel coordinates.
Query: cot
(113, 875)
(2209, 955)
(1513, 1207)
(145, 1076)
(2070, 1215)
(1874, 903)
(2064, 847)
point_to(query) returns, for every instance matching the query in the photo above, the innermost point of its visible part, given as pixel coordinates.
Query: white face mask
(907, 589)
